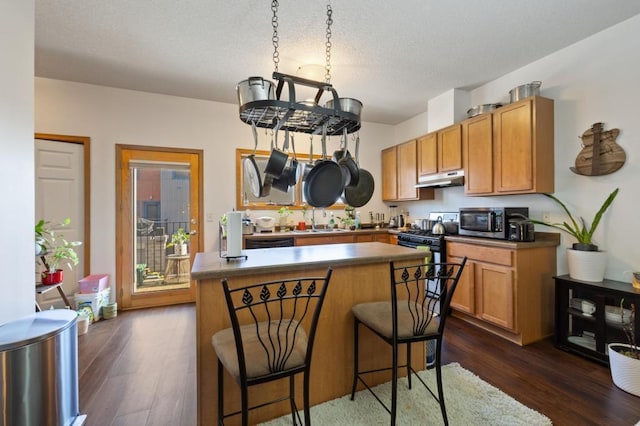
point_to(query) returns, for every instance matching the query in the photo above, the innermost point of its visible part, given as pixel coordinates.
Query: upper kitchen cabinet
(400, 174)
(510, 151)
(523, 157)
(477, 143)
(440, 151)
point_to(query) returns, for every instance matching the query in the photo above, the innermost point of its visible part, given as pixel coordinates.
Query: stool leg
(220, 394)
(409, 363)
(394, 382)
(355, 358)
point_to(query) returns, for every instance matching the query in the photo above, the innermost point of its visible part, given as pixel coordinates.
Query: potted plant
(179, 241)
(585, 261)
(284, 212)
(54, 251)
(624, 358)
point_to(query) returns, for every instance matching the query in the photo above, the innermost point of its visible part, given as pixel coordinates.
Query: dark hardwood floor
(139, 369)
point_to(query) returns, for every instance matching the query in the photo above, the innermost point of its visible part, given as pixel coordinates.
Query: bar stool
(420, 299)
(273, 325)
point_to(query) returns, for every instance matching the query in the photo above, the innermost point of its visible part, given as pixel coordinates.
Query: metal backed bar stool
(420, 299)
(274, 341)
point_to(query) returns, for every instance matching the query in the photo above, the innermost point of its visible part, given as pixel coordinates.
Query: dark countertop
(542, 239)
(210, 265)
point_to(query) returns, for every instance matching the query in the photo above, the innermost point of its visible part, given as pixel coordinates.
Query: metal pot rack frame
(302, 117)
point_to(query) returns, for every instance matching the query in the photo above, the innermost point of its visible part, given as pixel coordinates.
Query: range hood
(441, 180)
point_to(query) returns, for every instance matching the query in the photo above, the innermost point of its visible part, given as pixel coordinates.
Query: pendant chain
(327, 76)
(275, 39)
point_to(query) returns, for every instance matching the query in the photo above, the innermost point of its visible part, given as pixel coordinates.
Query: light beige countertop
(210, 265)
(542, 239)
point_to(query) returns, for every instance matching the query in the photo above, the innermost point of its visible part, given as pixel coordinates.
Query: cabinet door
(450, 148)
(428, 154)
(382, 238)
(333, 239)
(389, 174)
(477, 137)
(464, 296)
(495, 294)
(363, 238)
(407, 170)
(513, 156)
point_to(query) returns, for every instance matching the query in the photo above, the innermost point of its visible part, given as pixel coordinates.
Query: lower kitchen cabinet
(588, 333)
(506, 288)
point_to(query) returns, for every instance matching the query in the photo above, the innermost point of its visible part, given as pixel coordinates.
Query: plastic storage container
(95, 301)
(93, 283)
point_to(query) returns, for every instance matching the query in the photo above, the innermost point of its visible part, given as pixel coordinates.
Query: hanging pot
(292, 171)
(277, 160)
(283, 181)
(359, 194)
(308, 166)
(254, 89)
(250, 167)
(349, 105)
(349, 167)
(324, 183)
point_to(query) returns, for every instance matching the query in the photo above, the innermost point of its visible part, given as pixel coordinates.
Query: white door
(59, 191)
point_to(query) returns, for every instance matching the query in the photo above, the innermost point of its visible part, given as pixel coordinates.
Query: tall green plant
(580, 231)
(55, 250)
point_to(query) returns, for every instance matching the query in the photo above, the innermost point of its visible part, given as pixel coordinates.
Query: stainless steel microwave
(489, 222)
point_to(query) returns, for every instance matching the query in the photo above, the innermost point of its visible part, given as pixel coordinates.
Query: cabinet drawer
(334, 239)
(495, 255)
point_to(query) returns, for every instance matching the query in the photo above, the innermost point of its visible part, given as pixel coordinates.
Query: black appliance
(489, 222)
(521, 230)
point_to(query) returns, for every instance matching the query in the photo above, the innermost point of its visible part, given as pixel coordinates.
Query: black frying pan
(324, 184)
(358, 195)
(349, 167)
(277, 160)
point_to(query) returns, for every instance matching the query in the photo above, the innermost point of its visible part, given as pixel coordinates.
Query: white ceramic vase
(625, 371)
(586, 265)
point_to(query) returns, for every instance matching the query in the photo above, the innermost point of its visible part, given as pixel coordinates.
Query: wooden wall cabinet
(506, 290)
(440, 151)
(520, 139)
(400, 174)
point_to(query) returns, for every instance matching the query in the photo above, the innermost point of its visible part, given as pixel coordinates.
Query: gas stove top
(417, 237)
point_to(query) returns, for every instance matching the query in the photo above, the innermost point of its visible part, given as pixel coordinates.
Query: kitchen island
(360, 274)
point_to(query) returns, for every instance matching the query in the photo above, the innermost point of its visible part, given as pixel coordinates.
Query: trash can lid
(35, 327)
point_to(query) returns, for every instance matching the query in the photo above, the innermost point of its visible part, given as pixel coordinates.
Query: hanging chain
(327, 67)
(275, 39)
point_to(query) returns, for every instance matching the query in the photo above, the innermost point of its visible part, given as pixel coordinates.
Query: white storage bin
(93, 300)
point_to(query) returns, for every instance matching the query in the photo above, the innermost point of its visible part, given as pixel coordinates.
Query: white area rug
(469, 400)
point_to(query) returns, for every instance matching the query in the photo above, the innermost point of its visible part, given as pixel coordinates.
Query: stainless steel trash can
(39, 370)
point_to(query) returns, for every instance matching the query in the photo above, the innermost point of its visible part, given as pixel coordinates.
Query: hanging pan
(252, 177)
(277, 160)
(324, 183)
(358, 195)
(282, 182)
(349, 167)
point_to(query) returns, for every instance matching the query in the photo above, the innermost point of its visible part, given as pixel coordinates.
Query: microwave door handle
(492, 219)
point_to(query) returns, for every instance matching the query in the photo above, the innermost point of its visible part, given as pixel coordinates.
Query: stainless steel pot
(524, 91)
(351, 105)
(254, 89)
(481, 109)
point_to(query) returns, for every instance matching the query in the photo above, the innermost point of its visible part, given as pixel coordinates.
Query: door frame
(85, 142)
(124, 246)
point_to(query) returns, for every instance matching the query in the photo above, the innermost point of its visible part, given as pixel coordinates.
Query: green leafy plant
(580, 231)
(55, 251)
(284, 211)
(179, 237)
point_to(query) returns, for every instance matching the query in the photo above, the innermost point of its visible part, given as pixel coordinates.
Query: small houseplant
(54, 250)
(179, 241)
(624, 359)
(284, 212)
(584, 259)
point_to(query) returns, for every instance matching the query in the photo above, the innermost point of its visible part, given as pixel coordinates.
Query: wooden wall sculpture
(600, 154)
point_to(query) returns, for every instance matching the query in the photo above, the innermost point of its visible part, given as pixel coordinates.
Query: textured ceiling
(392, 55)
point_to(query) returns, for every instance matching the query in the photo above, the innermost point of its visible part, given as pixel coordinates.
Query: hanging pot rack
(303, 117)
(300, 116)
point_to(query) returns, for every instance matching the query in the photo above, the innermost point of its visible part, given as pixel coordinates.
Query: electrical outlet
(546, 217)
(209, 217)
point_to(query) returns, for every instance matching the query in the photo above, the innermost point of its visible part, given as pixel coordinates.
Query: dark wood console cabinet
(589, 335)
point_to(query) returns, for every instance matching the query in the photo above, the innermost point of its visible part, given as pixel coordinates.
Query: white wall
(594, 80)
(114, 116)
(17, 162)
